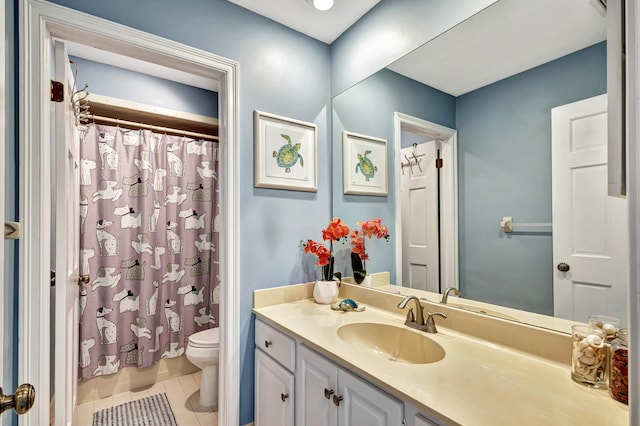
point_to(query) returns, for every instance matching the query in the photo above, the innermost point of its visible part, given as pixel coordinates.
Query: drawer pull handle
(284, 397)
(337, 399)
(267, 343)
(328, 393)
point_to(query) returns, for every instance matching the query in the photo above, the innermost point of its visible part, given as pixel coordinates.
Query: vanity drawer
(275, 343)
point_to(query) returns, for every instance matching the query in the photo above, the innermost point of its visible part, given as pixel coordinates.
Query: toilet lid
(209, 338)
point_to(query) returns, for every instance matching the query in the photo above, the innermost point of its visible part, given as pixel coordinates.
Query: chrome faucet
(445, 295)
(418, 321)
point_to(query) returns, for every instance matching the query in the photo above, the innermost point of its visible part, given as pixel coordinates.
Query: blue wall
(133, 86)
(504, 169)
(281, 72)
(368, 108)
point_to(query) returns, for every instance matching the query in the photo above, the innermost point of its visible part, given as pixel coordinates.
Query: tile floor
(182, 392)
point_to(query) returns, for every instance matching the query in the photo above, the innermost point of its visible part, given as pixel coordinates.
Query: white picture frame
(285, 153)
(364, 164)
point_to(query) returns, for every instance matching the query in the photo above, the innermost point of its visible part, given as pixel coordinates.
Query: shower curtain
(149, 219)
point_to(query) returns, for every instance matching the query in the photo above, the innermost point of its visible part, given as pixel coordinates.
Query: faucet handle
(410, 316)
(430, 323)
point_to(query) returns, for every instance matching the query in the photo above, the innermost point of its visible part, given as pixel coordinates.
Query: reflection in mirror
(495, 79)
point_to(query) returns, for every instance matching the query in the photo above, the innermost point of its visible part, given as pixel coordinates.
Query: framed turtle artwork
(364, 164)
(285, 153)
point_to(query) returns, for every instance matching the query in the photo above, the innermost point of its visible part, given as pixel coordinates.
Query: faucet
(445, 295)
(430, 326)
(418, 322)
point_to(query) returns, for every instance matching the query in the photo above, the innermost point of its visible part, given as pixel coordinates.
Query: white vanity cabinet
(329, 395)
(274, 377)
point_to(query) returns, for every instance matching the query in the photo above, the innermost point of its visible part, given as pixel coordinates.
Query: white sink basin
(392, 343)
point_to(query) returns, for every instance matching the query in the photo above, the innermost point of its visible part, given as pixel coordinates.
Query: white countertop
(477, 382)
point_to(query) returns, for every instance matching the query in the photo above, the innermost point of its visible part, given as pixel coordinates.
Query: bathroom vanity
(315, 365)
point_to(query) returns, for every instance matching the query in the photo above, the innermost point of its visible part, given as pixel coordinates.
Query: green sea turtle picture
(287, 156)
(366, 166)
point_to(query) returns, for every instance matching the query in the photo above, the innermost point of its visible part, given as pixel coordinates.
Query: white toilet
(203, 350)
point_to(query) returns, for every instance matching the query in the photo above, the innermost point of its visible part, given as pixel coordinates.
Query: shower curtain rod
(117, 121)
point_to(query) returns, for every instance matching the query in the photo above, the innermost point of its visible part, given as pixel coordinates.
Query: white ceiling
(301, 16)
(508, 37)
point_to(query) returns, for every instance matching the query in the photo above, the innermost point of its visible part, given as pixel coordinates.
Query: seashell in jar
(610, 329)
(588, 360)
(594, 341)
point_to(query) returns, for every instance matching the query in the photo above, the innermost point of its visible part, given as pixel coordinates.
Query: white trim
(38, 21)
(633, 195)
(3, 54)
(448, 193)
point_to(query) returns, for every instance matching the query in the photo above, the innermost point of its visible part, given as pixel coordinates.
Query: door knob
(563, 267)
(83, 279)
(21, 401)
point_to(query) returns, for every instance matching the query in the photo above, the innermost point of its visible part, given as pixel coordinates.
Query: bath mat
(152, 410)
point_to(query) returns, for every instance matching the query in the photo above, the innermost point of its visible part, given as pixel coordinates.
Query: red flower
(337, 229)
(323, 253)
(370, 228)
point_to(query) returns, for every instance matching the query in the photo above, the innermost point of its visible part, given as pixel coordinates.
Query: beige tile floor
(182, 392)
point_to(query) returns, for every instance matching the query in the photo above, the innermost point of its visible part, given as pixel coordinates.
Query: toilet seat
(209, 338)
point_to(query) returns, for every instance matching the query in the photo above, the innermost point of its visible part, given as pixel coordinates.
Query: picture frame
(285, 153)
(364, 164)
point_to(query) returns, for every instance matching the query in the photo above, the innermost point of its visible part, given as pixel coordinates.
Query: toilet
(203, 350)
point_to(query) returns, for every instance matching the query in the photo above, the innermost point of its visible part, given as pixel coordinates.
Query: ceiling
(301, 16)
(506, 38)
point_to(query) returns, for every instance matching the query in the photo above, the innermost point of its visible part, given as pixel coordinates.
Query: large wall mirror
(493, 80)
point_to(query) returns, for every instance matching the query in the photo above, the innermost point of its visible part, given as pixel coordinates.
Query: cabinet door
(365, 405)
(317, 380)
(273, 392)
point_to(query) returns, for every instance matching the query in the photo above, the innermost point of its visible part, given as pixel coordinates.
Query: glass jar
(588, 356)
(609, 325)
(619, 367)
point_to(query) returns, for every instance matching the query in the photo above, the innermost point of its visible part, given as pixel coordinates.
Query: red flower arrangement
(336, 230)
(359, 256)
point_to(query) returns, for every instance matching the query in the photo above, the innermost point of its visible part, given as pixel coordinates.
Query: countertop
(476, 383)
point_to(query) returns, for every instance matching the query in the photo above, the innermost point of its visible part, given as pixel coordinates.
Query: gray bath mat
(152, 410)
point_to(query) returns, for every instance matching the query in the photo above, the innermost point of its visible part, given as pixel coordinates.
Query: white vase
(367, 282)
(325, 292)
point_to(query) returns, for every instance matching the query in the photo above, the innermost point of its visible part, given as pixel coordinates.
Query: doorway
(40, 22)
(448, 195)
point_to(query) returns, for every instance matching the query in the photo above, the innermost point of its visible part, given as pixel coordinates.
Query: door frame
(38, 21)
(448, 192)
(3, 93)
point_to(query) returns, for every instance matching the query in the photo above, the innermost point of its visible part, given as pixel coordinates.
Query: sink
(483, 311)
(392, 343)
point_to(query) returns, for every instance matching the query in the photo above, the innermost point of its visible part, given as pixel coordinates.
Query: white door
(363, 404)
(316, 384)
(590, 228)
(419, 200)
(273, 392)
(67, 245)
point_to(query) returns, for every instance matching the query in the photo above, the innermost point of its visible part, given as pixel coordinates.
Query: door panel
(590, 227)
(67, 245)
(419, 199)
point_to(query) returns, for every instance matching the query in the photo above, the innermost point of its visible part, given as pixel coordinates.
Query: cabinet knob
(328, 393)
(267, 343)
(284, 397)
(337, 399)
